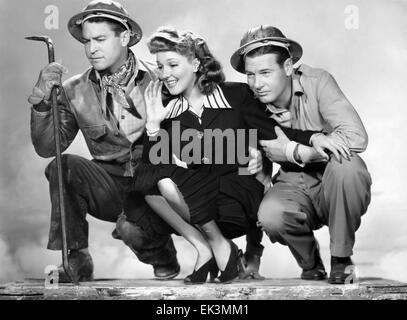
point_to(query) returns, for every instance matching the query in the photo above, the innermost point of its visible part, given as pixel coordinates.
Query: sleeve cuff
(152, 132)
(40, 113)
(179, 162)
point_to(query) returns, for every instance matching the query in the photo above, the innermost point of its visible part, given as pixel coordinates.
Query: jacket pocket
(95, 132)
(98, 140)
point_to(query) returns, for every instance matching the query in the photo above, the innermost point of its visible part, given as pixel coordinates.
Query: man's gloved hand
(49, 77)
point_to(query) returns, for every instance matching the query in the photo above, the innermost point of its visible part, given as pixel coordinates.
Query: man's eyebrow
(95, 38)
(260, 70)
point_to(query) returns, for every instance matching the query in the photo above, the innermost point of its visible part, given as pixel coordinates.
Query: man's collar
(139, 65)
(297, 87)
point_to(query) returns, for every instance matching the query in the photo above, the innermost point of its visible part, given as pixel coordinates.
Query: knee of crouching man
(131, 234)
(270, 223)
(355, 168)
(68, 162)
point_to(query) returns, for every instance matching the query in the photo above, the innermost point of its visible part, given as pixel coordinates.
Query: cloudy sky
(367, 61)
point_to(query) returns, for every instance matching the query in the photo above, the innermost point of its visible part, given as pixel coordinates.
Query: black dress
(213, 188)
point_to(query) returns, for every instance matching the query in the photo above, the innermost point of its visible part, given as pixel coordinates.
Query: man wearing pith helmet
(106, 104)
(313, 190)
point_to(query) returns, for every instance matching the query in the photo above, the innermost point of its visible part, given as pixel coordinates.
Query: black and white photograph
(203, 150)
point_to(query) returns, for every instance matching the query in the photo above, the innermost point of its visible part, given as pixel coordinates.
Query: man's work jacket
(82, 106)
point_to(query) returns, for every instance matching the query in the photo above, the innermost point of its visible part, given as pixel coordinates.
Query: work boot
(167, 271)
(249, 266)
(317, 272)
(81, 265)
(341, 269)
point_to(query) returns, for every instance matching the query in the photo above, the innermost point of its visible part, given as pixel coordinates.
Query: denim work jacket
(82, 106)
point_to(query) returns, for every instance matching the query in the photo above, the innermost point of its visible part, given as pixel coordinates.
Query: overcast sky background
(368, 63)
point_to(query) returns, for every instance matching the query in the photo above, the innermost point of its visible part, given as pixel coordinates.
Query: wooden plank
(122, 289)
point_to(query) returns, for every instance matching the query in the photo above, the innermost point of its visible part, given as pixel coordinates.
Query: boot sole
(169, 277)
(339, 281)
(314, 278)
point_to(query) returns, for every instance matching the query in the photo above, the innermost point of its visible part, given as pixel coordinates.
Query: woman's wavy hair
(209, 73)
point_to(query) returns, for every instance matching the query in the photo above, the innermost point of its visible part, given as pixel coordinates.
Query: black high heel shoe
(213, 273)
(231, 271)
(199, 276)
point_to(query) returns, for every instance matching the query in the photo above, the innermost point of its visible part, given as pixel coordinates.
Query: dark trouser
(226, 206)
(300, 202)
(89, 188)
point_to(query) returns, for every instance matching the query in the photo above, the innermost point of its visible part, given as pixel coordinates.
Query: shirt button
(199, 135)
(117, 134)
(206, 160)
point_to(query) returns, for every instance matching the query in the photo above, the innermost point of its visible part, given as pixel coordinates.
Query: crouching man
(334, 191)
(106, 104)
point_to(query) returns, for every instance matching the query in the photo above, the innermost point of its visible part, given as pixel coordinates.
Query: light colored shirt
(319, 104)
(131, 126)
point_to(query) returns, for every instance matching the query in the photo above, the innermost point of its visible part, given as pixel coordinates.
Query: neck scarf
(116, 83)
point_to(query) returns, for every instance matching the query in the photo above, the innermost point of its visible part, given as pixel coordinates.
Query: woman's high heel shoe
(213, 273)
(231, 271)
(199, 276)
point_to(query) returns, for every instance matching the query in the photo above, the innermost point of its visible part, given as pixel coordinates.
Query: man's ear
(288, 67)
(195, 64)
(125, 38)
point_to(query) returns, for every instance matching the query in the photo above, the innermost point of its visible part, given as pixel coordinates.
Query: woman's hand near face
(155, 110)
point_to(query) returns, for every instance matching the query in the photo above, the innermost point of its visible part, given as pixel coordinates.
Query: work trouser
(89, 188)
(301, 202)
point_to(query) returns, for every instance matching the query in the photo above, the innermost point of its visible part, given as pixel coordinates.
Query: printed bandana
(116, 83)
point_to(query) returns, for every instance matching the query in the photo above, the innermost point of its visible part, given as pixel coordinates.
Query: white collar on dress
(216, 100)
